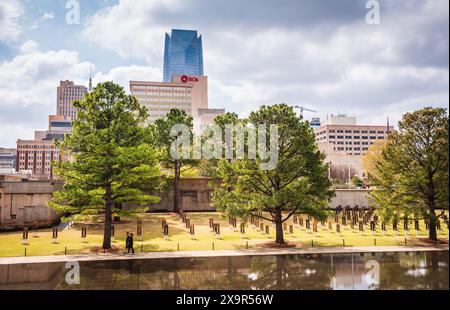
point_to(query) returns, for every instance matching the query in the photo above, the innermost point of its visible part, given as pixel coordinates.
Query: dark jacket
(130, 242)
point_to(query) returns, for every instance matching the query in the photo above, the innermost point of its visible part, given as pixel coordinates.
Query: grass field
(70, 242)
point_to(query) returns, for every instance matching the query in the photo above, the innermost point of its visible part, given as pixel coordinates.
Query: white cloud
(45, 16)
(136, 36)
(123, 75)
(28, 87)
(10, 13)
(347, 67)
(29, 46)
(340, 66)
(48, 15)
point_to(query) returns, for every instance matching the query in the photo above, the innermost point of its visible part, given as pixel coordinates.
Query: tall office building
(184, 87)
(67, 93)
(183, 54)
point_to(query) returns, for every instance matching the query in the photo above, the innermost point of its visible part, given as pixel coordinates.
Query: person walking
(127, 243)
(130, 244)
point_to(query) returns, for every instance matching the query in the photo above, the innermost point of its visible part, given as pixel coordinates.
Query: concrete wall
(25, 203)
(352, 198)
(195, 195)
(32, 276)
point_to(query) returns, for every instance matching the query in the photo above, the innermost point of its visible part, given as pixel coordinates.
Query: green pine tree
(109, 162)
(164, 140)
(298, 184)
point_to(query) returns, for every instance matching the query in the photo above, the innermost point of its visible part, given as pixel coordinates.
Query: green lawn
(69, 241)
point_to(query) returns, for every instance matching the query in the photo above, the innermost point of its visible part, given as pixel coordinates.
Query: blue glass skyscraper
(183, 54)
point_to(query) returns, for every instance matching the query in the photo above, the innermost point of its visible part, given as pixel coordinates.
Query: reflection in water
(421, 270)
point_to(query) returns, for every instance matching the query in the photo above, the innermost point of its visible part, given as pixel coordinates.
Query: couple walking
(129, 243)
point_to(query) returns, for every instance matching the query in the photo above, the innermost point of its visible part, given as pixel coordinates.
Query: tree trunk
(176, 193)
(279, 239)
(432, 235)
(117, 206)
(108, 218)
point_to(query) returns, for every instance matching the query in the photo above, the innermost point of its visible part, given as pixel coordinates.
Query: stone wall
(26, 203)
(195, 195)
(352, 198)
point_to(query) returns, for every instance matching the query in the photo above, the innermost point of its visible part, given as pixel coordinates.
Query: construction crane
(304, 109)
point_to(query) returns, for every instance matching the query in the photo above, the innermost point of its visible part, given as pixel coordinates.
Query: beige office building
(342, 134)
(188, 93)
(67, 93)
(199, 90)
(344, 142)
(159, 97)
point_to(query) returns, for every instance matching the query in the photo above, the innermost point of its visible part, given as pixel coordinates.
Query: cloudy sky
(317, 53)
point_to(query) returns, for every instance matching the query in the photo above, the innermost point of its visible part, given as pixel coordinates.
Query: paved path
(187, 254)
(64, 226)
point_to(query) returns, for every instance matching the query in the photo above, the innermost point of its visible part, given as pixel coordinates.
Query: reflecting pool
(369, 271)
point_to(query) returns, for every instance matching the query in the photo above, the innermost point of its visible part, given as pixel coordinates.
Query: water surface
(392, 271)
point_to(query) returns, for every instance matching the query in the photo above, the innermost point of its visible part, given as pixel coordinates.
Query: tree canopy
(297, 184)
(411, 171)
(110, 162)
(165, 135)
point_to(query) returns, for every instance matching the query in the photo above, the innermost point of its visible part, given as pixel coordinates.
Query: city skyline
(297, 53)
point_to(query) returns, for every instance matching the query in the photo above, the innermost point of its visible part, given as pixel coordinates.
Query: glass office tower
(183, 54)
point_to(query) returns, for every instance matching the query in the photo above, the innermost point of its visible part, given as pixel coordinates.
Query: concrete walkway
(227, 253)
